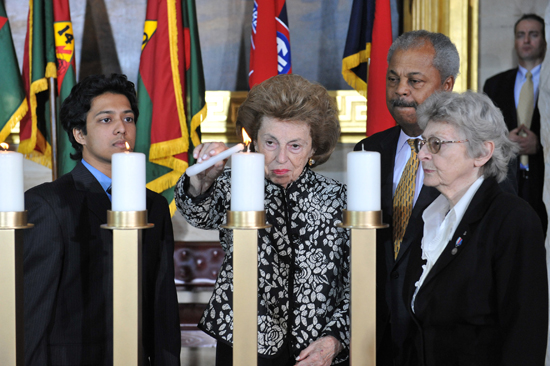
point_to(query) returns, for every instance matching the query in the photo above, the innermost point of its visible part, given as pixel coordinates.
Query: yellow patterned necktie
(526, 107)
(403, 199)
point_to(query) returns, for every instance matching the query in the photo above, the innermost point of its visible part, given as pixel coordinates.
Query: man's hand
(528, 142)
(319, 353)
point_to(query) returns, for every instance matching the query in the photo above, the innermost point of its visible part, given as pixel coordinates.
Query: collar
(440, 208)
(104, 180)
(403, 137)
(535, 71)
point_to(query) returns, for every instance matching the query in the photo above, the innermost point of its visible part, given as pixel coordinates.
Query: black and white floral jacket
(303, 259)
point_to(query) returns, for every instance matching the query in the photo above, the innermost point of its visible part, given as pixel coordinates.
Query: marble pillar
(544, 108)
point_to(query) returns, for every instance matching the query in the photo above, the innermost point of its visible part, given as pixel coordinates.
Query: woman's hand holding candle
(211, 161)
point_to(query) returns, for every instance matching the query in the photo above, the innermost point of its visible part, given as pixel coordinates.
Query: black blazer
(487, 304)
(68, 277)
(393, 321)
(500, 88)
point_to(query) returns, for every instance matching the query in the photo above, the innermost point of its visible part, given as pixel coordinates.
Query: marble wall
(496, 33)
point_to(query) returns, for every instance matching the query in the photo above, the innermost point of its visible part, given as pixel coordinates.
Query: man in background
(68, 258)
(515, 92)
(420, 64)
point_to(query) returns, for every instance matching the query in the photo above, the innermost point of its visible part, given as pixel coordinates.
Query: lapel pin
(457, 244)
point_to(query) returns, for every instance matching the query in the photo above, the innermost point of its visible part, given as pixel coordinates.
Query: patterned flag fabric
(270, 41)
(369, 37)
(39, 64)
(170, 93)
(66, 76)
(13, 105)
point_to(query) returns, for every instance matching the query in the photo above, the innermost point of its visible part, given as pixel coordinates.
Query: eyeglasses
(434, 144)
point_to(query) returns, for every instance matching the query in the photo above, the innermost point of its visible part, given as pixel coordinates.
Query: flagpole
(367, 98)
(53, 121)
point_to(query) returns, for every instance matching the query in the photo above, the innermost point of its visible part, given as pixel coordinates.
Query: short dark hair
(531, 16)
(446, 59)
(291, 98)
(76, 106)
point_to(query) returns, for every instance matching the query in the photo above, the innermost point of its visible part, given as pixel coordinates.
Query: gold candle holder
(127, 285)
(11, 287)
(245, 225)
(363, 225)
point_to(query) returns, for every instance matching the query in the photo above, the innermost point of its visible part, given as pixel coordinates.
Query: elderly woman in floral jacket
(303, 258)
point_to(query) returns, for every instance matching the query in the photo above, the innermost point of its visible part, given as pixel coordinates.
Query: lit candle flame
(4, 146)
(127, 145)
(246, 139)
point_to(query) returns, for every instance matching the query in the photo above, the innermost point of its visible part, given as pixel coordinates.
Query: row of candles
(247, 180)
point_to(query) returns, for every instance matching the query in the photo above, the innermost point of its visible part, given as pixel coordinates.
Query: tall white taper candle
(128, 187)
(363, 181)
(199, 167)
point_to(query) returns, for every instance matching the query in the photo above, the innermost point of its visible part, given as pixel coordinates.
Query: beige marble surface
(544, 108)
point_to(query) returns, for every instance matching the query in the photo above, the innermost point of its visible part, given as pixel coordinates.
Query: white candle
(363, 181)
(128, 186)
(11, 183)
(247, 182)
(199, 167)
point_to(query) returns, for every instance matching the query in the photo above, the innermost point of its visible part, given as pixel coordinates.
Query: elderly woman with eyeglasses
(476, 284)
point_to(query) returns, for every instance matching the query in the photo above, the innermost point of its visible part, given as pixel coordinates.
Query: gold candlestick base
(363, 225)
(246, 220)
(11, 287)
(362, 220)
(14, 220)
(127, 220)
(127, 285)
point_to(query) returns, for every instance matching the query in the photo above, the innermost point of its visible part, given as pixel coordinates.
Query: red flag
(378, 116)
(270, 41)
(170, 93)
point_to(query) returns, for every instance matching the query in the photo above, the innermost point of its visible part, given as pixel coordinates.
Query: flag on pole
(13, 105)
(270, 41)
(369, 37)
(39, 64)
(170, 93)
(66, 77)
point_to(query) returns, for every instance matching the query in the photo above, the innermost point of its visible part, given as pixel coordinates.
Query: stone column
(544, 108)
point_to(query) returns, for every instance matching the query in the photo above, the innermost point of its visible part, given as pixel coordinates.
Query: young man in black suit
(505, 90)
(420, 64)
(68, 263)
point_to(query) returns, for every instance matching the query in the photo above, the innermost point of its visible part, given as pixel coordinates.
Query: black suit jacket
(487, 304)
(68, 293)
(393, 323)
(500, 88)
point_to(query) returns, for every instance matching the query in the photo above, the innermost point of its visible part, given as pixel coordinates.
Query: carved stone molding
(219, 124)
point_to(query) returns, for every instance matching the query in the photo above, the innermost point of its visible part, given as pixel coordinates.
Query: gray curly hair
(477, 119)
(446, 59)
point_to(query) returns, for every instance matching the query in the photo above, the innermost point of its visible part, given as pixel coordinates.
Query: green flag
(66, 77)
(170, 93)
(13, 105)
(39, 64)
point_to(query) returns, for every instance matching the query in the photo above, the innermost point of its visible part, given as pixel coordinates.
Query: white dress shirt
(402, 155)
(440, 222)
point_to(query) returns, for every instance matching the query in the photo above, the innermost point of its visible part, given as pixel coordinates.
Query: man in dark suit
(420, 63)
(68, 263)
(505, 89)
